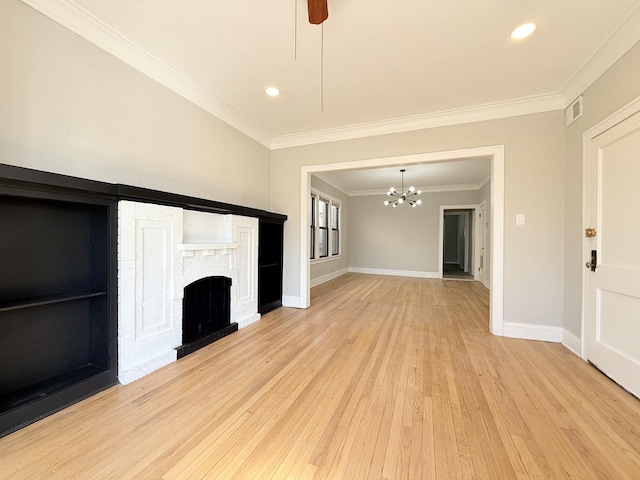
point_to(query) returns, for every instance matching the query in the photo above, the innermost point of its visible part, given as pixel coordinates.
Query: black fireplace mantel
(26, 178)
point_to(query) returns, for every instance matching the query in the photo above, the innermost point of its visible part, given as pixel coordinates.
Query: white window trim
(331, 201)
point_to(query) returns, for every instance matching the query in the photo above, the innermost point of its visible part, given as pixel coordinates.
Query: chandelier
(402, 197)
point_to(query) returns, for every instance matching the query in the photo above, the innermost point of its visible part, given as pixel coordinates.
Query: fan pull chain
(322, 69)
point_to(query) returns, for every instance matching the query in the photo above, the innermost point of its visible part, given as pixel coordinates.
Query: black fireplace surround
(58, 288)
(206, 313)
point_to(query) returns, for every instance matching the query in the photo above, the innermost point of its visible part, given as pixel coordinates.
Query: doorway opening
(458, 244)
(460, 249)
(495, 225)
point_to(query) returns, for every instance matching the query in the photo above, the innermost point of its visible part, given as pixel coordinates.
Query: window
(312, 236)
(323, 228)
(335, 229)
(324, 241)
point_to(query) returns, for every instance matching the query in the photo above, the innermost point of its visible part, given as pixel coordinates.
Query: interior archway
(496, 153)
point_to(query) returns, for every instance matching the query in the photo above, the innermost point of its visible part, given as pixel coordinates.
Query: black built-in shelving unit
(58, 285)
(57, 299)
(270, 251)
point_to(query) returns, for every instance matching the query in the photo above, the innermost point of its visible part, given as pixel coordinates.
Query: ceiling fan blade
(318, 11)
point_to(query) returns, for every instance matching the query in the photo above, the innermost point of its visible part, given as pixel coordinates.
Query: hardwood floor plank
(381, 378)
(428, 457)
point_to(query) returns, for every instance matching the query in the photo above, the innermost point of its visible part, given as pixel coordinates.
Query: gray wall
(328, 267)
(617, 87)
(68, 107)
(401, 238)
(534, 185)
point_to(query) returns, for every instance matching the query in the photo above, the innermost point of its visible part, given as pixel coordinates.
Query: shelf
(269, 306)
(268, 265)
(58, 295)
(45, 388)
(48, 300)
(188, 249)
(206, 246)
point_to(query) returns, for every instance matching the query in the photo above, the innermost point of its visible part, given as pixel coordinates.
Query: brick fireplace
(93, 281)
(161, 250)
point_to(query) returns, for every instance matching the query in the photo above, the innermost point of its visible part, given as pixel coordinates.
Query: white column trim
(496, 153)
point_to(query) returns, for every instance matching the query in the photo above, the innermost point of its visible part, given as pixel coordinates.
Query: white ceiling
(375, 66)
(469, 174)
(388, 64)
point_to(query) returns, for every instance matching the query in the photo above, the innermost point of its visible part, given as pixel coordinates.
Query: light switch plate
(520, 219)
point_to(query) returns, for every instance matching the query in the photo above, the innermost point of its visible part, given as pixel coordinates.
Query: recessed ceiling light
(523, 31)
(272, 91)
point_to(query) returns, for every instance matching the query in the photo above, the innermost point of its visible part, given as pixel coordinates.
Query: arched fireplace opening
(206, 313)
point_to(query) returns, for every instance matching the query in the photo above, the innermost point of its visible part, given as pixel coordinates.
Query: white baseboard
(128, 375)
(572, 342)
(329, 276)
(295, 302)
(246, 321)
(528, 331)
(397, 273)
(486, 283)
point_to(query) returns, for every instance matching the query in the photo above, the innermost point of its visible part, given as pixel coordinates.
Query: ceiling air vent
(574, 111)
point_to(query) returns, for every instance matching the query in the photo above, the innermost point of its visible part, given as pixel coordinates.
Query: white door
(612, 300)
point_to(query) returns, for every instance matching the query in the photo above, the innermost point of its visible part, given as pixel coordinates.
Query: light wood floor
(382, 378)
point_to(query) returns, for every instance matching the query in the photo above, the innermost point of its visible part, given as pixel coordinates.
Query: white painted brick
(127, 264)
(149, 323)
(127, 282)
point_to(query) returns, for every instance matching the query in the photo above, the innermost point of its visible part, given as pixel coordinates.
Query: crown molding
(432, 189)
(435, 189)
(476, 113)
(619, 42)
(330, 181)
(81, 22)
(486, 176)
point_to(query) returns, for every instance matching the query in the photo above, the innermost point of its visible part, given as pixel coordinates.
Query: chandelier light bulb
(403, 196)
